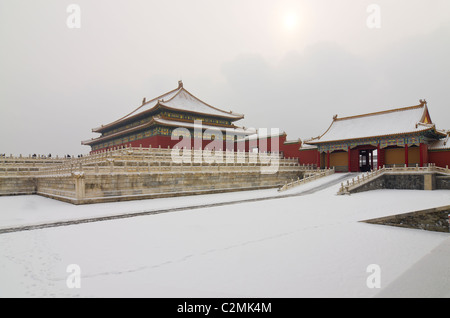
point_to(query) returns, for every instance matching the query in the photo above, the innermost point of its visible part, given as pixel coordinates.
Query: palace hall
(401, 136)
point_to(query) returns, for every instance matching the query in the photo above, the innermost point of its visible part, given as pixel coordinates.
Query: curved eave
(129, 117)
(154, 121)
(159, 106)
(437, 133)
(180, 120)
(117, 134)
(442, 144)
(232, 118)
(370, 137)
(186, 125)
(329, 127)
(229, 114)
(124, 120)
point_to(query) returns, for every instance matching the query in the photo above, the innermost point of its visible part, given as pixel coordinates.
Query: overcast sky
(284, 64)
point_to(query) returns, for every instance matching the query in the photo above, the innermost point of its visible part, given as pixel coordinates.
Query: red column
(367, 157)
(421, 154)
(371, 160)
(406, 156)
(328, 159)
(378, 156)
(425, 155)
(318, 159)
(349, 160)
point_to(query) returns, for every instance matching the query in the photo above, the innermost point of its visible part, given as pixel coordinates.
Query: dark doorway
(365, 160)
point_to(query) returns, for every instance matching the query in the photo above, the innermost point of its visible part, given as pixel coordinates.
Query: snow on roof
(307, 147)
(297, 141)
(151, 103)
(385, 123)
(441, 144)
(185, 101)
(177, 99)
(264, 133)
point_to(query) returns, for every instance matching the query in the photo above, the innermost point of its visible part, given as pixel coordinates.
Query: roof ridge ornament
(423, 102)
(180, 84)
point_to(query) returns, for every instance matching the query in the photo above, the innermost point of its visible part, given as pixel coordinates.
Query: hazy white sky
(284, 64)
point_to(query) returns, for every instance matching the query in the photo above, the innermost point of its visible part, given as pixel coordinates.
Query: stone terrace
(139, 173)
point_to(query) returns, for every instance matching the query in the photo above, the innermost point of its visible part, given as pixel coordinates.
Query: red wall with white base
(439, 157)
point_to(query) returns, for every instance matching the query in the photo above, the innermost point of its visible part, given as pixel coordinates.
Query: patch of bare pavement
(434, 219)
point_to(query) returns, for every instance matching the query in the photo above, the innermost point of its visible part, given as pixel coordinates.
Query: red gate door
(381, 157)
(353, 165)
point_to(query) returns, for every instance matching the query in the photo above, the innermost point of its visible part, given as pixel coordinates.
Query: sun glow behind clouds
(290, 21)
(289, 24)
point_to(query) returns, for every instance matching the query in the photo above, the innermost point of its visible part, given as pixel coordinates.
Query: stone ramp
(428, 278)
(328, 184)
(314, 175)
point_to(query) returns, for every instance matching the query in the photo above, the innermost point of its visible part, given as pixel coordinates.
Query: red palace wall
(160, 141)
(305, 157)
(308, 157)
(289, 150)
(440, 158)
(265, 144)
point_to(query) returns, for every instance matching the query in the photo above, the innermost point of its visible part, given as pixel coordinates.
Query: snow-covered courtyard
(311, 245)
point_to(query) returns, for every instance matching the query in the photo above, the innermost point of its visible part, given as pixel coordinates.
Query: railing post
(79, 186)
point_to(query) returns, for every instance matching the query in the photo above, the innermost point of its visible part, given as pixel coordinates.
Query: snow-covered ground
(33, 210)
(305, 246)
